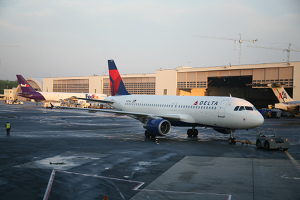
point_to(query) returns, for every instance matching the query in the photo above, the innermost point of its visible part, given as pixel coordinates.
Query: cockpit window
(248, 108)
(240, 108)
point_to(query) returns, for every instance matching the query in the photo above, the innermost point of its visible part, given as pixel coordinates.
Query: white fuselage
(224, 112)
(292, 107)
(57, 96)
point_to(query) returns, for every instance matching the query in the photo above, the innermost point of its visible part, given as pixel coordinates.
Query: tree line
(5, 84)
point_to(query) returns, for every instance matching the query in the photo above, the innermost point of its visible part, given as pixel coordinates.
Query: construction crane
(234, 39)
(288, 50)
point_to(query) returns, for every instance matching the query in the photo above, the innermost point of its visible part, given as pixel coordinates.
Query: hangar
(238, 81)
(228, 80)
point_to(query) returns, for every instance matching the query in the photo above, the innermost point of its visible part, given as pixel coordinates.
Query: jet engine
(159, 127)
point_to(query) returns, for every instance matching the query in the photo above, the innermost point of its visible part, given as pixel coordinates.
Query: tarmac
(72, 154)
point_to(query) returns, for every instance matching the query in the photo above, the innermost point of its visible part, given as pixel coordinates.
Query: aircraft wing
(95, 100)
(142, 117)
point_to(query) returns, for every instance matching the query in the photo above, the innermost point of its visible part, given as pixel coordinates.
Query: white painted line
(47, 193)
(136, 188)
(97, 176)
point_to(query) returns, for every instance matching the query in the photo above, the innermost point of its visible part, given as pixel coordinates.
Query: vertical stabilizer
(25, 86)
(280, 93)
(116, 83)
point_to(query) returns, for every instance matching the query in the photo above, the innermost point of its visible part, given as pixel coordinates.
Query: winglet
(116, 83)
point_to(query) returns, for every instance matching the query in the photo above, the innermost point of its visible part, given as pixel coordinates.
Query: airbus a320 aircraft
(159, 113)
(29, 92)
(285, 101)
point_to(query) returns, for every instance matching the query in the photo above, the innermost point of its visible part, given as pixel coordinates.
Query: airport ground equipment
(269, 140)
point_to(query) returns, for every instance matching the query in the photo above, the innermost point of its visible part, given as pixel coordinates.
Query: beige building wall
(48, 84)
(296, 77)
(193, 81)
(10, 94)
(96, 84)
(166, 81)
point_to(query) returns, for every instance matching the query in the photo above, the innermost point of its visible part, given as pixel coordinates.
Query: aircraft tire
(258, 145)
(231, 141)
(190, 133)
(267, 145)
(195, 133)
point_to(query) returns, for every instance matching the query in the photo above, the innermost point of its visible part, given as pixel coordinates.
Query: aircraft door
(221, 112)
(174, 106)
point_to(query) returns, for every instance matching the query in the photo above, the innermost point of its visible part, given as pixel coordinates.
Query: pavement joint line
(293, 160)
(228, 196)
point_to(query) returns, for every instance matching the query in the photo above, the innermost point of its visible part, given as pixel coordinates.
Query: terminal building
(238, 81)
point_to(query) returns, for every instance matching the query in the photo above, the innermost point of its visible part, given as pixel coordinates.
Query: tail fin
(280, 93)
(116, 83)
(25, 86)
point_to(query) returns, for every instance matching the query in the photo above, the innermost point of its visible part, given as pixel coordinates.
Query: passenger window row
(172, 106)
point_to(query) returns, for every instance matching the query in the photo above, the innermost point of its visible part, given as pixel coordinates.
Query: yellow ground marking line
(8, 116)
(293, 160)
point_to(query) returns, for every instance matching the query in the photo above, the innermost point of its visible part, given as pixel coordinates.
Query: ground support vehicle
(269, 140)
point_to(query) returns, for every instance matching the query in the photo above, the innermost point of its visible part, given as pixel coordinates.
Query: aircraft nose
(258, 119)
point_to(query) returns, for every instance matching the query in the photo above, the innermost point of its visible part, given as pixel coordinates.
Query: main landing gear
(231, 140)
(192, 132)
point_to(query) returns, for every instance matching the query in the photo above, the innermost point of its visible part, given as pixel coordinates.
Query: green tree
(5, 84)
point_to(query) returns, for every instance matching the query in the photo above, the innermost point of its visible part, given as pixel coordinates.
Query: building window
(198, 84)
(71, 85)
(165, 91)
(146, 86)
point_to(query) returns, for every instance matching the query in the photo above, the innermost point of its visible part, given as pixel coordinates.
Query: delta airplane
(29, 92)
(159, 113)
(285, 101)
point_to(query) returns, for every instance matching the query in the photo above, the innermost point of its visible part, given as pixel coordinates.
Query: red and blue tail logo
(282, 95)
(116, 83)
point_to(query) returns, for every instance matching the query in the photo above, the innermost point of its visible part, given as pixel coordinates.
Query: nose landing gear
(232, 139)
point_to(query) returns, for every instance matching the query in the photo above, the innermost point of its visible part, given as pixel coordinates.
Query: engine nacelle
(224, 130)
(159, 127)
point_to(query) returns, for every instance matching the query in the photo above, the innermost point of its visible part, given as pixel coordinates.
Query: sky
(66, 38)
